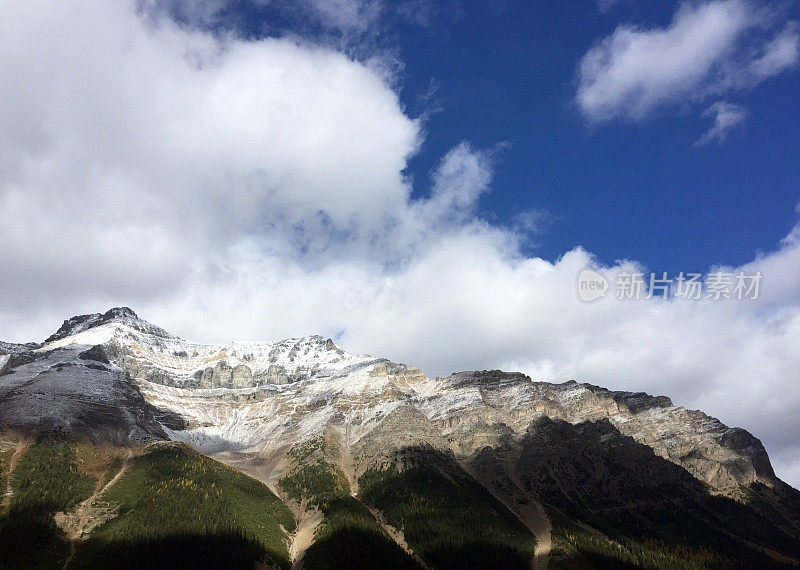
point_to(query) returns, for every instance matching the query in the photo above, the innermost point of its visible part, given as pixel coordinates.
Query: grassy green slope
(45, 481)
(446, 516)
(314, 480)
(180, 508)
(349, 536)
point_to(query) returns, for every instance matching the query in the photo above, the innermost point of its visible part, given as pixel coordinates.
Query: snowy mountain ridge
(259, 399)
(155, 349)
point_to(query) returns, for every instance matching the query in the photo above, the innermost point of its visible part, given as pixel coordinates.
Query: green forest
(175, 507)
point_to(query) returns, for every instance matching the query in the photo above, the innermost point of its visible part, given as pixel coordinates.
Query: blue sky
(503, 75)
(506, 71)
(419, 180)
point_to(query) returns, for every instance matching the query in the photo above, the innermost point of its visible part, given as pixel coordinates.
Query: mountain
(147, 448)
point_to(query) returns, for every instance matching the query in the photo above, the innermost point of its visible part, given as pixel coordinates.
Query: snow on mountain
(261, 398)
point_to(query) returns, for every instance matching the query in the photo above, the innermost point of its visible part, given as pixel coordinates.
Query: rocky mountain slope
(580, 474)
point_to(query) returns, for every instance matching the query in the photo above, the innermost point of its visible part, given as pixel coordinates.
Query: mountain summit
(552, 460)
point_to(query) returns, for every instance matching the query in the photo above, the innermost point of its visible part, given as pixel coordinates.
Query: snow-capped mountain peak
(78, 329)
(265, 396)
(151, 354)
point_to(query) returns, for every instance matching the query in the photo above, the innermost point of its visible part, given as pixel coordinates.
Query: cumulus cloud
(253, 189)
(121, 130)
(709, 49)
(726, 116)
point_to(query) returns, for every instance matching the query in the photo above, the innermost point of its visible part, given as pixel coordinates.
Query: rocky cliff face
(74, 389)
(268, 396)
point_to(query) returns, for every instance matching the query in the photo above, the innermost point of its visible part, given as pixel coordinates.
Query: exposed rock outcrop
(275, 394)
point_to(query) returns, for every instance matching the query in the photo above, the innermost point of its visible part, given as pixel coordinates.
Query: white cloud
(781, 52)
(348, 16)
(253, 189)
(709, 49)
(463, 175)
(726, 116)
(118, 128)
